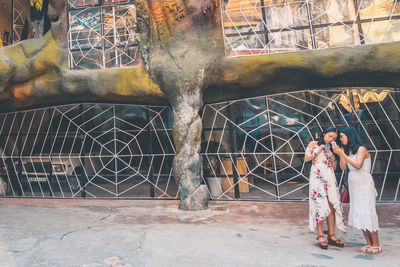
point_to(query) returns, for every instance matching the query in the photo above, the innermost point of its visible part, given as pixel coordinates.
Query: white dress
(362, 214)
(323, 186)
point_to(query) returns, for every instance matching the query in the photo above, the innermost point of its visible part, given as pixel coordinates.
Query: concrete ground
(155, 233)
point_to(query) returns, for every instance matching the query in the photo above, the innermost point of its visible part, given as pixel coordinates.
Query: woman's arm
(361, 155)
(309, 151)
(343, 164)
(340, 151)
(334, 163)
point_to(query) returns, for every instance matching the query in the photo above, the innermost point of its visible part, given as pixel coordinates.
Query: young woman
(324, 198)
(362, 214)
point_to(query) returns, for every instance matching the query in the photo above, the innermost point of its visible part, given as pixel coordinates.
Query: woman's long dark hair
(328, 130)
(353, 140)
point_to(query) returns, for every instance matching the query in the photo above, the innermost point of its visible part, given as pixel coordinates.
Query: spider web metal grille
(88, 150)
(20, 13)
(254, 27)
(254, 148)
(102, 35)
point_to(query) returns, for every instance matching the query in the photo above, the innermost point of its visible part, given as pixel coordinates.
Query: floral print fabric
(323, 186)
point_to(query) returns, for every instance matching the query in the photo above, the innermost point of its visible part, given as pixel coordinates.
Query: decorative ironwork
(253, 27)
(102, 34)
(252, 148)
(20, 17)
(255, 147)
(88, 150)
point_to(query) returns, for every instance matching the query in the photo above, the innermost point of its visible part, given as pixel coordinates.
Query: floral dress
(323, 185)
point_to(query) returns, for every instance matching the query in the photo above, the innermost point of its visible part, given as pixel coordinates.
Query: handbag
(344, 194)
(344, 190)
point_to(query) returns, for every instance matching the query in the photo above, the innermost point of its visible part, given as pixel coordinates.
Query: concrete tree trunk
(183, 51)
(187, 162)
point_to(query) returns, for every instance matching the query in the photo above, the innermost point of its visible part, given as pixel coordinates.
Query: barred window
(102, 34)
(253, 27)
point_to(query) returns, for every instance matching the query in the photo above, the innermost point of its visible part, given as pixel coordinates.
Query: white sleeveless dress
(362, 214)
(323, 186)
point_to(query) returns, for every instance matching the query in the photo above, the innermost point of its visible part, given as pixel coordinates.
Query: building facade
(252, 148)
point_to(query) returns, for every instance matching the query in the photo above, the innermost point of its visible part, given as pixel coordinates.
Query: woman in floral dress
(324, 198)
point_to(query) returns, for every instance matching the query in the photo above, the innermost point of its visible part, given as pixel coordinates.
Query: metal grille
(88, 150)
(254, 148)
(253, 27)
(20, 14)
(102, 34)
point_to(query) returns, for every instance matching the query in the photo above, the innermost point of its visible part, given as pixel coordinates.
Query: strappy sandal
(321, 242)
(365, 248)
(337, 243)
(374, 250)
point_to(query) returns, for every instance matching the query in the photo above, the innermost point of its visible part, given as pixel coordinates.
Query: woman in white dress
(362, 214)
(324, 198)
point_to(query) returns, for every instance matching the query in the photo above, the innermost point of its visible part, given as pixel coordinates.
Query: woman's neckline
(356, 154)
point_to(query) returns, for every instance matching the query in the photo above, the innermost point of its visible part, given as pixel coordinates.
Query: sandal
(321, 242)
(365, 248)
(335, 242)
(374, 250)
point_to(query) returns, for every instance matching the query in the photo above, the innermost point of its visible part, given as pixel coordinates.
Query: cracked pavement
(47, 232)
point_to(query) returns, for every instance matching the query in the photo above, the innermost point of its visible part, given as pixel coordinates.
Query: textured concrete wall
(174, 43)
(36, 72)
(366, 65)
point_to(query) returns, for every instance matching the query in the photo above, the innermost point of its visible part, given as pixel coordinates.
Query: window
(264, 139)
(255, 27)
(88, 150)
(102, 34)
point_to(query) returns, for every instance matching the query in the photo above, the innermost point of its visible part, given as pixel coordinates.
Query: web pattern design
(88, 150)
(254, 27)
(254, 148)
(102, 34)
(20, 14)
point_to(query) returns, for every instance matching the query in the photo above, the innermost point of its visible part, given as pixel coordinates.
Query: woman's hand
(338, 150)
(320, 149)
(313, 151)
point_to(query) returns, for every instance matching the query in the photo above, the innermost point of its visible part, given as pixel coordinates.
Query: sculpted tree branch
(35, 71)
(180, 44)
(366, 65)
(185, 50)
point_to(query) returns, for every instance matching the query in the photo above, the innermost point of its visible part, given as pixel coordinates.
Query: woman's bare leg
(367, 236)
(320, 228)
(331, 220)
(375, 247)
(321, 240)
(368, 239)
(332, 239)
(374, 238)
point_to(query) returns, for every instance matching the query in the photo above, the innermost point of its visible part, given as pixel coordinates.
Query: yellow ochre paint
(135, 81)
